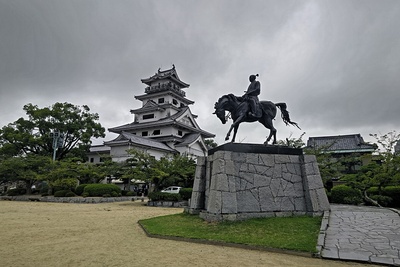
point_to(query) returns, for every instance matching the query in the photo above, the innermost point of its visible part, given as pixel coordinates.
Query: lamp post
(58, 140)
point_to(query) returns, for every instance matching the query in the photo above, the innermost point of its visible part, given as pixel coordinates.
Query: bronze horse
(239, 112)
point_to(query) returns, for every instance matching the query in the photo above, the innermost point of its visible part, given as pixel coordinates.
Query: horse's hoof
(226, 138)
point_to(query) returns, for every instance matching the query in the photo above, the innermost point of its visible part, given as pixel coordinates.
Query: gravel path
(61, 234)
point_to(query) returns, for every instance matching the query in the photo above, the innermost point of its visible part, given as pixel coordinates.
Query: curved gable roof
(170, 74)
(126, 137)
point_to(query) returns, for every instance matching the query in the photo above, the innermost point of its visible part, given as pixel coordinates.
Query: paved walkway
(368, 234)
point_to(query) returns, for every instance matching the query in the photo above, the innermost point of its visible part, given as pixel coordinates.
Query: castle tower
(164, 123)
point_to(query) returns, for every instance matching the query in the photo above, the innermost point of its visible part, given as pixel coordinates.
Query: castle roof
(126, 137)
(170, 74)
(174, 120)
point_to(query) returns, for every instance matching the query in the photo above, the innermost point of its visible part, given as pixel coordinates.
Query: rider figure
(251, 95)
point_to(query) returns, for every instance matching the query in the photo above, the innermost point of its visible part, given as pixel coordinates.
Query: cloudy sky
(335, 63)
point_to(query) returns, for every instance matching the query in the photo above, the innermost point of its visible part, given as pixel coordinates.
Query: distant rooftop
(341, 143)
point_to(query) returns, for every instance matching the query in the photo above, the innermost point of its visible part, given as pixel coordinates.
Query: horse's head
(220, 110)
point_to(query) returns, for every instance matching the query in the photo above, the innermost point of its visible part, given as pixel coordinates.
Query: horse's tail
(285, 114)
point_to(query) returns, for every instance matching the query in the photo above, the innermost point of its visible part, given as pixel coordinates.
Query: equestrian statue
(248, 108)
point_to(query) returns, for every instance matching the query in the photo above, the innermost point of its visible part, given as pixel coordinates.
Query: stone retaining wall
(173, 204)
(92, 200)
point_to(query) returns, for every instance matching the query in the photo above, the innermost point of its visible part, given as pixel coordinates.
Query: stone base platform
(242, 181)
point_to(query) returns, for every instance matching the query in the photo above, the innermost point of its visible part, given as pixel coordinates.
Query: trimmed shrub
(186, 193)
(131, 193)
(159, 196)
(114, 194)
(373, 191)
(62, 193)
(16, 192)
(98, 190)
(70, 194)
(392, 192)
(106, 195)
(79, 189)
(382, 200)
(344, 194)
(85, 194)
(44, 189)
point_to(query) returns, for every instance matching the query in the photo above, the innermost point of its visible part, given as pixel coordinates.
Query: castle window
(180, 133)
(174, 101)
(148, 116)
(156, 132)
(91, 160)
(182, 105)
(160, 100)
(145, 133)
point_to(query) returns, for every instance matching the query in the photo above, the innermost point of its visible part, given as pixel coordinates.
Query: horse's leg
(235, 125)
(267, 122)
(229, 132)
(234, 132)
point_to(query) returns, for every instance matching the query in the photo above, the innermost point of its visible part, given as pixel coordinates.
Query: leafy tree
(293, 142)
(25, 169)
(175, 170)
(110, 168)
(210, 143)
(32, 135)
(167, 171)
(348, 163)
(389, 167)
(328, 166)
(382, 170)
(61, 174)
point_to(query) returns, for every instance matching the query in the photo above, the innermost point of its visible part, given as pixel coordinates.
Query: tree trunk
(370, 200)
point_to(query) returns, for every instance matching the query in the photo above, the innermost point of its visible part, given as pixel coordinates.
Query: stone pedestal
(241, 181)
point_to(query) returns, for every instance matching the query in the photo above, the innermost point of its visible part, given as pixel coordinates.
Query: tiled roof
(189, 138)
(162, 122)
(340, 143)
(99, 148)
(170, 74)
(138, 140)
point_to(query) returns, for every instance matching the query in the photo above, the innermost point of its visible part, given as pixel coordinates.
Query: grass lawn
(291, 233)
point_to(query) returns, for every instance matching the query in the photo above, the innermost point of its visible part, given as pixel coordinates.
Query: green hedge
(64, 193)
(159, 196)
(98, 190)
(344, 194)
(131, 193)
(16, 192)
(79, 189)
(186, 193)
(393, 192)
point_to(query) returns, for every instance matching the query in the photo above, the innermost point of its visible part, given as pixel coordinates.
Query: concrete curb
(322, 233)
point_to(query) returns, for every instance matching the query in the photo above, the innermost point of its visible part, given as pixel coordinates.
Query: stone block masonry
(241, 181)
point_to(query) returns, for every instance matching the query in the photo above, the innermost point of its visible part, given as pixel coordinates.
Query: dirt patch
(61, 234)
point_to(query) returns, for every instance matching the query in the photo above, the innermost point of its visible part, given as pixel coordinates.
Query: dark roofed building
(341, 144)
